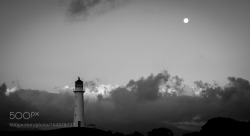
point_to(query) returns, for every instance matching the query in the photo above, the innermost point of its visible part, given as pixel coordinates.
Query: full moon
(185, 20)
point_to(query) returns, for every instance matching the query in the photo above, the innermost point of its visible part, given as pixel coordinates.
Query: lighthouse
(79, 104)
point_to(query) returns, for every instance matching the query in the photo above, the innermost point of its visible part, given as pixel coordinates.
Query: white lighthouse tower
(79, 104)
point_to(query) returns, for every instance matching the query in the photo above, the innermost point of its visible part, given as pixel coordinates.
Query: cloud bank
(154, 101)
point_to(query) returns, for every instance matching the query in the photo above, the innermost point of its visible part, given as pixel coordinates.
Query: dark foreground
(214, 127)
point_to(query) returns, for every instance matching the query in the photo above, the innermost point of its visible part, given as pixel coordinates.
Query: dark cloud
(84, 8)
(52, 108)
(144, 103)
(12, 104)
(78, 7)
(231, 100)
(139, 105)
(148, 88)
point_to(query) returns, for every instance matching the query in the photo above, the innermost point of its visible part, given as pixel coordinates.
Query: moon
(185, 20)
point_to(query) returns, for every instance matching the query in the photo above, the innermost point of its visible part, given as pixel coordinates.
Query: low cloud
(9, 91)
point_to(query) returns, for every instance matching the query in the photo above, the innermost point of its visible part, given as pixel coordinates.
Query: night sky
(157, 69)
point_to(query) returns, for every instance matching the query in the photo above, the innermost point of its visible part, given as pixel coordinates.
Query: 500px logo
(23, 115)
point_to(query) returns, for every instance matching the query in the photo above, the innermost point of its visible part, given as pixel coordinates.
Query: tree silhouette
(136, 133)
(192, 134)
(160, 132)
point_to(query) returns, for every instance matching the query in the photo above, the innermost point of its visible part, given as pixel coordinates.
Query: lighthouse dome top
(79, 83)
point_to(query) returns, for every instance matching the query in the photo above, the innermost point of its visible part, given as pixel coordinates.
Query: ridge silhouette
(222, 126)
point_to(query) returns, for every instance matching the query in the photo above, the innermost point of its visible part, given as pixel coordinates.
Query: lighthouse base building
(79, 104)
